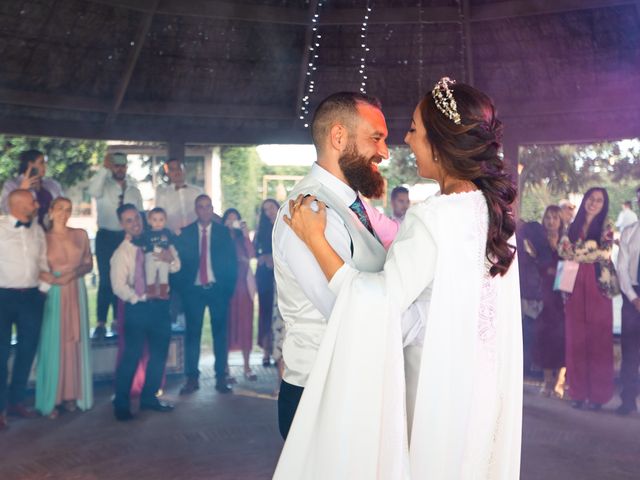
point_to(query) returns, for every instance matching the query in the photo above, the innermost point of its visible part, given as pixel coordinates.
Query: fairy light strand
(364, 49)
(312, 64)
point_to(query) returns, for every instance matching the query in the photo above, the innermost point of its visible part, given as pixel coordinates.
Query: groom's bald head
(339, 108)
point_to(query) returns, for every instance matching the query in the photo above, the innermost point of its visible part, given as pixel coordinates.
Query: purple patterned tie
(139, 284)
(358, 208)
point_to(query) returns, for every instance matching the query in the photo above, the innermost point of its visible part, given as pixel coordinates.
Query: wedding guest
(400, 203)
(146, 320)
(549, 343)
(31, 176)
(64, 376)
(530, 238)
(626, 217)
(264, 276)
(207, 279)
(588, 309)
(629, 275)
(153, 241)
(240, 325)
(112, 188)
(178, 197)
(568, 211)
(23, 271)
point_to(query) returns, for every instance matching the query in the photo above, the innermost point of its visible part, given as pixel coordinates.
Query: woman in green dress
(64, 374)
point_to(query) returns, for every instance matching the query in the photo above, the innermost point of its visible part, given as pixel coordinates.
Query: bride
(455, 256)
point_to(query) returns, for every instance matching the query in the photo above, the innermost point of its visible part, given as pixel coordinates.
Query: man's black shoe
(222, 387)
(99, 333)
(157, 406)
(122, 415)
(626, 408)
(189, 387)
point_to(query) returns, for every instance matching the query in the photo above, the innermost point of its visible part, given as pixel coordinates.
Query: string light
(313, 53)
(364, 48)
(463, 43)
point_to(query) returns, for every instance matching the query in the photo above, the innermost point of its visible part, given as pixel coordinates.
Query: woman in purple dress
(549, 342)
(264, 276)
(240, 326)
(588, 309)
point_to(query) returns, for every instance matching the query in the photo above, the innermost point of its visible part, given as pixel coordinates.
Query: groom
(349, 133)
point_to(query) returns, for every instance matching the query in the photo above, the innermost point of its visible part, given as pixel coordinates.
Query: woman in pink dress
(64, 375)
(588, 309)
(240, 326)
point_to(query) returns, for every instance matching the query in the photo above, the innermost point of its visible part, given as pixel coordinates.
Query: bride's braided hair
(470, 151)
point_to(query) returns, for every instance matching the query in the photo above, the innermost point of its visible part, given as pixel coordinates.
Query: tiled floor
(212, 436)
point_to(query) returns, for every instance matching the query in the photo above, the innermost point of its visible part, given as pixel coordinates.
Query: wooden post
(176, 149)
(510, 152)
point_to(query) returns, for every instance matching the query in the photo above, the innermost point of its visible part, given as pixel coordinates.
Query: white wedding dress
(351, 423)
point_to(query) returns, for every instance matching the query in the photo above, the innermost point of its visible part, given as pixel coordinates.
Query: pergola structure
(242, 71)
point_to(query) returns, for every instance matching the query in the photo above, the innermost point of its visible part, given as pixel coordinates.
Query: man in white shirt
(32, 176)
(177, 198)
(349, 133)
(400, 203)
(628, 272)
(145, 320)
(23, 269)
(112, 188)
(567, 210)
(626, 217)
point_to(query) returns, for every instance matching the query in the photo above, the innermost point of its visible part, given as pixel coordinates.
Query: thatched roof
(235, 71)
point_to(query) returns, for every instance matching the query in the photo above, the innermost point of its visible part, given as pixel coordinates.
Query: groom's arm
(303, 264)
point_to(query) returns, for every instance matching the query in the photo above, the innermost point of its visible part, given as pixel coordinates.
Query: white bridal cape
(351, 422)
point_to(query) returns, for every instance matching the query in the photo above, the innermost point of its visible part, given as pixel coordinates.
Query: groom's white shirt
(304, 298)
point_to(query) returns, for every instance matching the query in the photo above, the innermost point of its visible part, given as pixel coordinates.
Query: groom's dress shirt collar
(344, 192)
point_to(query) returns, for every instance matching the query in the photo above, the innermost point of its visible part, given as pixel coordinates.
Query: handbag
(566, 274)
(251, 283)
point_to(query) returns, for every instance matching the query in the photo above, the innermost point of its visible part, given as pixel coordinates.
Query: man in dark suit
(207, 279)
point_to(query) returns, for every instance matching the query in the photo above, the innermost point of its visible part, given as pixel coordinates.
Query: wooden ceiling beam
(526, 8)
(156, 130)
(574, 128)
(227, 10)
(166, 109)
(600, 100)
(134, 54)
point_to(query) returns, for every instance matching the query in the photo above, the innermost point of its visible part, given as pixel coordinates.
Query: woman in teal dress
(64, 374)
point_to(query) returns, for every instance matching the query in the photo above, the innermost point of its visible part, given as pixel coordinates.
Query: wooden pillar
(176, 149)
(510, 151)
(212, 180)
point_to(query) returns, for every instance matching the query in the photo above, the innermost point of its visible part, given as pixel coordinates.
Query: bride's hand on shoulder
(307, 220)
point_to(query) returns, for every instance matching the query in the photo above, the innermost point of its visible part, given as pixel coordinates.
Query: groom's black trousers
(288, 401)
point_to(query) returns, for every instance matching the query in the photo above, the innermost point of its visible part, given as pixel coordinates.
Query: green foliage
(549, 173)
(401, 168)
(68, 161)
(241, 179)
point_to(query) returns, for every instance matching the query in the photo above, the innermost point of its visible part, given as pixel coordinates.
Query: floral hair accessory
(445, 102)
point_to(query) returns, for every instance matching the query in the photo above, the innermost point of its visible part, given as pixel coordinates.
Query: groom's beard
(362, 173)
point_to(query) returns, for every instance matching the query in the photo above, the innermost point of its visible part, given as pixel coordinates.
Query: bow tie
(182, 186)
(22, 224)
